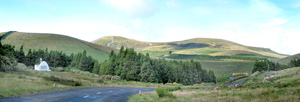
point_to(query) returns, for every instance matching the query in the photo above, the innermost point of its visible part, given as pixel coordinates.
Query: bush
(174, 88)
(282, 85)
(164, 93)
(194, 87)
(7, 64)
(63, 81)
(223, 86)
(100, 81)
(59, 69)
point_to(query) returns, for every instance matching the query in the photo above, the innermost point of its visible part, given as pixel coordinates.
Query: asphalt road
(101, 94)
(236, 83)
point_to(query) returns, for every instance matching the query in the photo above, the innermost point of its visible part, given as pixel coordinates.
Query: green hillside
(197, 46)
(286, 60)
(56, 42)
(283, 88)
(222, 56)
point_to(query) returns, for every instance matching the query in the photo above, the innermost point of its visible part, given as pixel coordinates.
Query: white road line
(86, 96)
(99, 93)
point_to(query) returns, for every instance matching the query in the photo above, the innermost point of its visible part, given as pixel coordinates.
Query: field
(221, 68)
(255, 89)
(225, 67)
(233, 95)
(56, 42)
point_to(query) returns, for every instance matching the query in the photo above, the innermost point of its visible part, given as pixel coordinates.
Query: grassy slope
(286, 60)
(266, 92)
(215, 47)
(27, 81)
(121, 41)
(56, 42)
(221, 68)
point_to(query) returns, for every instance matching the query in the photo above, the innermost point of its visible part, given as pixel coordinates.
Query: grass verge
(27, 81)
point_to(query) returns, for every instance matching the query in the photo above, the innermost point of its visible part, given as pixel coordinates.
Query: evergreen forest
(130, 65)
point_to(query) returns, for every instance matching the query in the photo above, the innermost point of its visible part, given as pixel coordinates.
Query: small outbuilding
(43, 66)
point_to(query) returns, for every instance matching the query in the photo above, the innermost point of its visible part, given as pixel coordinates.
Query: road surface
(101, 94)
(236, 83)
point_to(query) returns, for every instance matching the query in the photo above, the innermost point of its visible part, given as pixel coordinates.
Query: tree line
(55, 58)
(294, 63)
(130, 65)
(266, 65)
(7, 60)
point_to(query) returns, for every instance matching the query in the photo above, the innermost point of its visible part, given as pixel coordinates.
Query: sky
(270, 24)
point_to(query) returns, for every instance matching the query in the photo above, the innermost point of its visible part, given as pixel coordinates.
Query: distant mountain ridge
(196, 46)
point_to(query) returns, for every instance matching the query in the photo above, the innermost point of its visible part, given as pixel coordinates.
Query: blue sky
(261, 23)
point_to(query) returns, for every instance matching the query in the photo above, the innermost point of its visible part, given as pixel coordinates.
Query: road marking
(86, 96)
(99, 92)
(110, 91)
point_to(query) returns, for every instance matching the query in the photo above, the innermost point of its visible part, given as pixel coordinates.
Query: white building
(43, 66)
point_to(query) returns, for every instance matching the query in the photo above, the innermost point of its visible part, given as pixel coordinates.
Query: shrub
(265, 93)
(223, 86)
(59, 69)
(7, 64)
(100, 81)
(63, 81)
(282, 85)
(297, 92)
(164, 93)
(174, 88)
(194, 87)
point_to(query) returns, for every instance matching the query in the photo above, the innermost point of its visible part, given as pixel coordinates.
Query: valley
(221, 56)
(155, 61)
(149, 51)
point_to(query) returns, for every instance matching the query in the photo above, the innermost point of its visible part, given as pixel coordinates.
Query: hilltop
(286, 60)
(56, 42)
(196, 46)
(222, 56)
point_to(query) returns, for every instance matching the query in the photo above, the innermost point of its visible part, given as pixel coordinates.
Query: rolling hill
(196, 46)
(222, 56)
(56, 42)
(286, 60)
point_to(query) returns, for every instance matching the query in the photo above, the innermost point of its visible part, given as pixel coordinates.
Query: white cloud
(137, 23)
(275, 22)
(180, 33)
(272, 22)
(172, 3)
(202, 11)
(139, 8)
(260, 8)
(296, 4)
